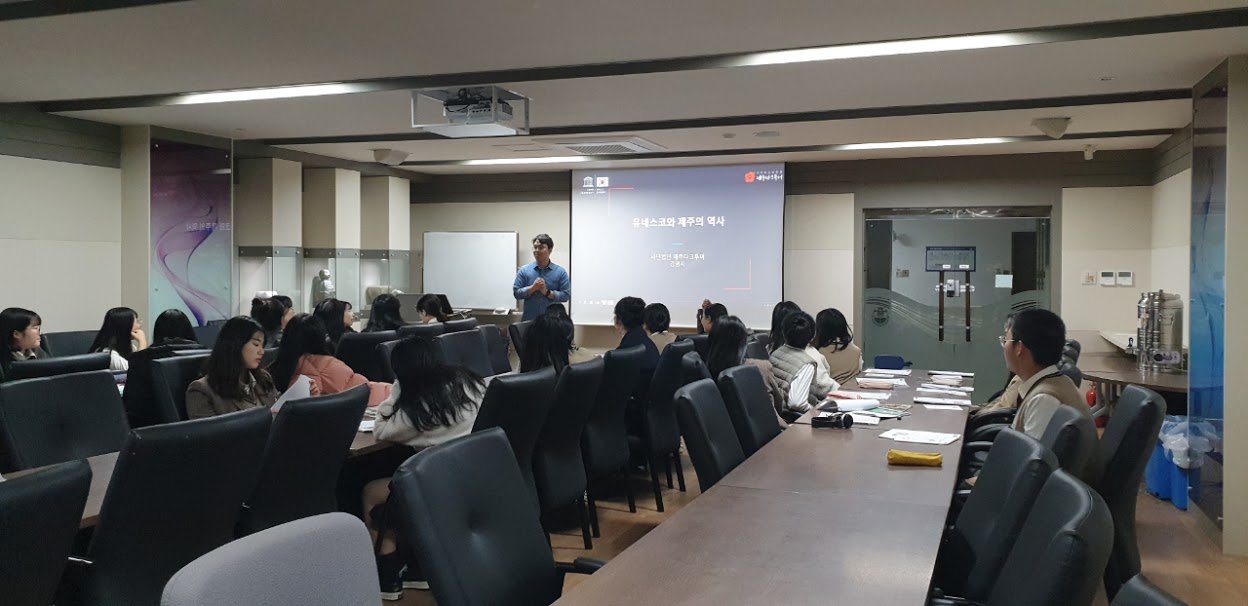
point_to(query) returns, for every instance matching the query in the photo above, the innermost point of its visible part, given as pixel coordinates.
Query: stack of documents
(845, 394)
(947, 387)
(957, 401)
(883, 371)
(920, 437)
(877, 383)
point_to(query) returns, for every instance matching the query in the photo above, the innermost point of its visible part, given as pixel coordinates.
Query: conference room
(579, 303)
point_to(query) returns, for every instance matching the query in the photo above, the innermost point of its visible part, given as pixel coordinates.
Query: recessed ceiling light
(767, 133)
(928, 143)
(272, 92)
(546, 160)
(882, 49)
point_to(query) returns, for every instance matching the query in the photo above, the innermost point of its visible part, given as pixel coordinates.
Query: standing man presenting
(541, 282)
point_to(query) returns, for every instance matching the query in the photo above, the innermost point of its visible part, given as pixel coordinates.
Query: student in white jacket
(430, 403)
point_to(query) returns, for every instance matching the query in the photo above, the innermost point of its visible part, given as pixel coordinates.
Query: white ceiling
(215, 44)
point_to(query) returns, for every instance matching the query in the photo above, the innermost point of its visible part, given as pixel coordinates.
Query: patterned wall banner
(191, 230)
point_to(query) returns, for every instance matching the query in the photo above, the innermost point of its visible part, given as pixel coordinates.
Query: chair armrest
(950, 601)
(991, 417)
(987, 433)
(971, 447)
(580, 566)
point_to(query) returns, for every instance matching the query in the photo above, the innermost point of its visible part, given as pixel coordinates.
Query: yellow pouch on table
(909, 457)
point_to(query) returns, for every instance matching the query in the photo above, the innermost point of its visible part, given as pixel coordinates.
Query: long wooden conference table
(817, 516)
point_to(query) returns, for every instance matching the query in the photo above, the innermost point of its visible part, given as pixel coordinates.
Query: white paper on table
(927, 400)
(947, 387)
(884, 371)
(302, 388)
(367, 426)
(954, 373)
(845, 394)
(942, 407)
(894, 381)
(860, 419)
(948, 392)
(852, 405)
(920, 437)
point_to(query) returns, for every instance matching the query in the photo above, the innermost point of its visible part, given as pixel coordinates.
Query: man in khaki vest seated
(1032, 345)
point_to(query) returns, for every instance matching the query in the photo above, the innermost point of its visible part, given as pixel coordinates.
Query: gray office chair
(427, 331)
(516, 332)
(170, 378)
(466, 348)
(1139, 592)
(69, 343)
(323, 559)
(57, 419)
(39, 515)
(458, 325)
(50, 367)
(708, 431)
(749, 406)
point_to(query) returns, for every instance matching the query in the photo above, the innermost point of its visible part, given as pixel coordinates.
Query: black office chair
(516, 332)
(39, 516)
(466, 348)
(693, 368)
(1061, 551)
(496, 347)
(384, 351)
(427, 331)
(1119, 463)
(978, 543)
(69, 343)
(269, 357)
(660, 439)
(463, 506)
(307, 446)
(170, 378)
(50, 367)
(709, 434)
(1139, 592)
(175, 495)
(520, 404)
(558, 468)
(756, 350)
(458, 325)
(701, 343)
(359, 351)
(140, 394)
(749, 406)
(207, 335)
(1072, 372)
(1070, 436)
(604, 441)
(763, 339)
(57, 419)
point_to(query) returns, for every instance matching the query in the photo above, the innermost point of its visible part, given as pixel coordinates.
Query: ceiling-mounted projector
(477, 111)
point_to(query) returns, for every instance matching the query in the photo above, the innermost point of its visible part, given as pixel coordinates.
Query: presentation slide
(677, 236)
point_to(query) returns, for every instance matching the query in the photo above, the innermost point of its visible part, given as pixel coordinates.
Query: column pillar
(268, 228)
(331, 231)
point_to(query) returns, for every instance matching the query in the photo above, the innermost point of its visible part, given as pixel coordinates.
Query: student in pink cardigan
(306, 350)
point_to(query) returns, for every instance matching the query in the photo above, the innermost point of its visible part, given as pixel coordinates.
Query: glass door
(939, 284)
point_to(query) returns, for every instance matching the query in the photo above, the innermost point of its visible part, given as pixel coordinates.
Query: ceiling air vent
(597, 146)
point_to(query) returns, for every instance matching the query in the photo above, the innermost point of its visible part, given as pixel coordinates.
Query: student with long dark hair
(119, 336)
(708, 314)
(726, 349)
(234, 380)
(337, 318)
(305, 350)
(21, 331)
(385, 314)
(271, 315)
(778, 314)
(834, 340)
(172, 327)
(430, 309)
(547, 342)
(432, 402)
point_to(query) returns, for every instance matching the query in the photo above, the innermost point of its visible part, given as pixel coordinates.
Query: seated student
(778, 314)
(21, 331)
(708, 313)
(547, 342)
(385, 314)
(657, 321)
(726, 349)
(630, 317)
(337, 317)
(1006, 398)
(788, 360)
(119, 336)
(1032, 345)
(834, 341)
(172, 327)
(271, 315)
(430, 309)
(305, 350)
(431, 403)
(234, 380)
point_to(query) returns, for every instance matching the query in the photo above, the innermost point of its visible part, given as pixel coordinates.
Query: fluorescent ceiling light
(546, 160)
(929, 143)
(884, 49)
(274, 92)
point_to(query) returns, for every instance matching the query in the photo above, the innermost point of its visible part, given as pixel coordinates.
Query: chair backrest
(992, 518)
(749, 406)
(519, 404)
(701, 343)
(207, 335)
(756, 350)
(466, 348)
(39, 515)
(170, 378)
(384, 351)
(140, 394)
(604, 441)
(458, 325)
(463, 505)
(175, 495)
(693, 368)
(323, 559)
(1139, 592)
(1062, 549)
(516, 332)
(427, 331)
(69, 343)
(1072, 438)
(307, 445)
(708, 431)
(762, 338)
(662, 430)
(50, 367)
(1116, 471)
(359, 351)
(890, 362)
(57, 419)
(1072, 372)
(496, 348)
(558, 469)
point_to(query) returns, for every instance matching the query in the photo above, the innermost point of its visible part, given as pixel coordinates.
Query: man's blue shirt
(557, 281)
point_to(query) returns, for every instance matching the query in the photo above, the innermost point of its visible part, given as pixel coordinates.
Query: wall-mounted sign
(950, 258)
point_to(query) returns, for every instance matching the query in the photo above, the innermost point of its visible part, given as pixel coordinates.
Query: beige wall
(819, 252)
(268, 203)
(61, 237)
(136, 219)
(385, 213)
(331, 208)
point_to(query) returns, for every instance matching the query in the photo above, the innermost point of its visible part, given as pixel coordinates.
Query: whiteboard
(473, 269)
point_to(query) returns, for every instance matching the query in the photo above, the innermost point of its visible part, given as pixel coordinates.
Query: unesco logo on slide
(764, 176)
